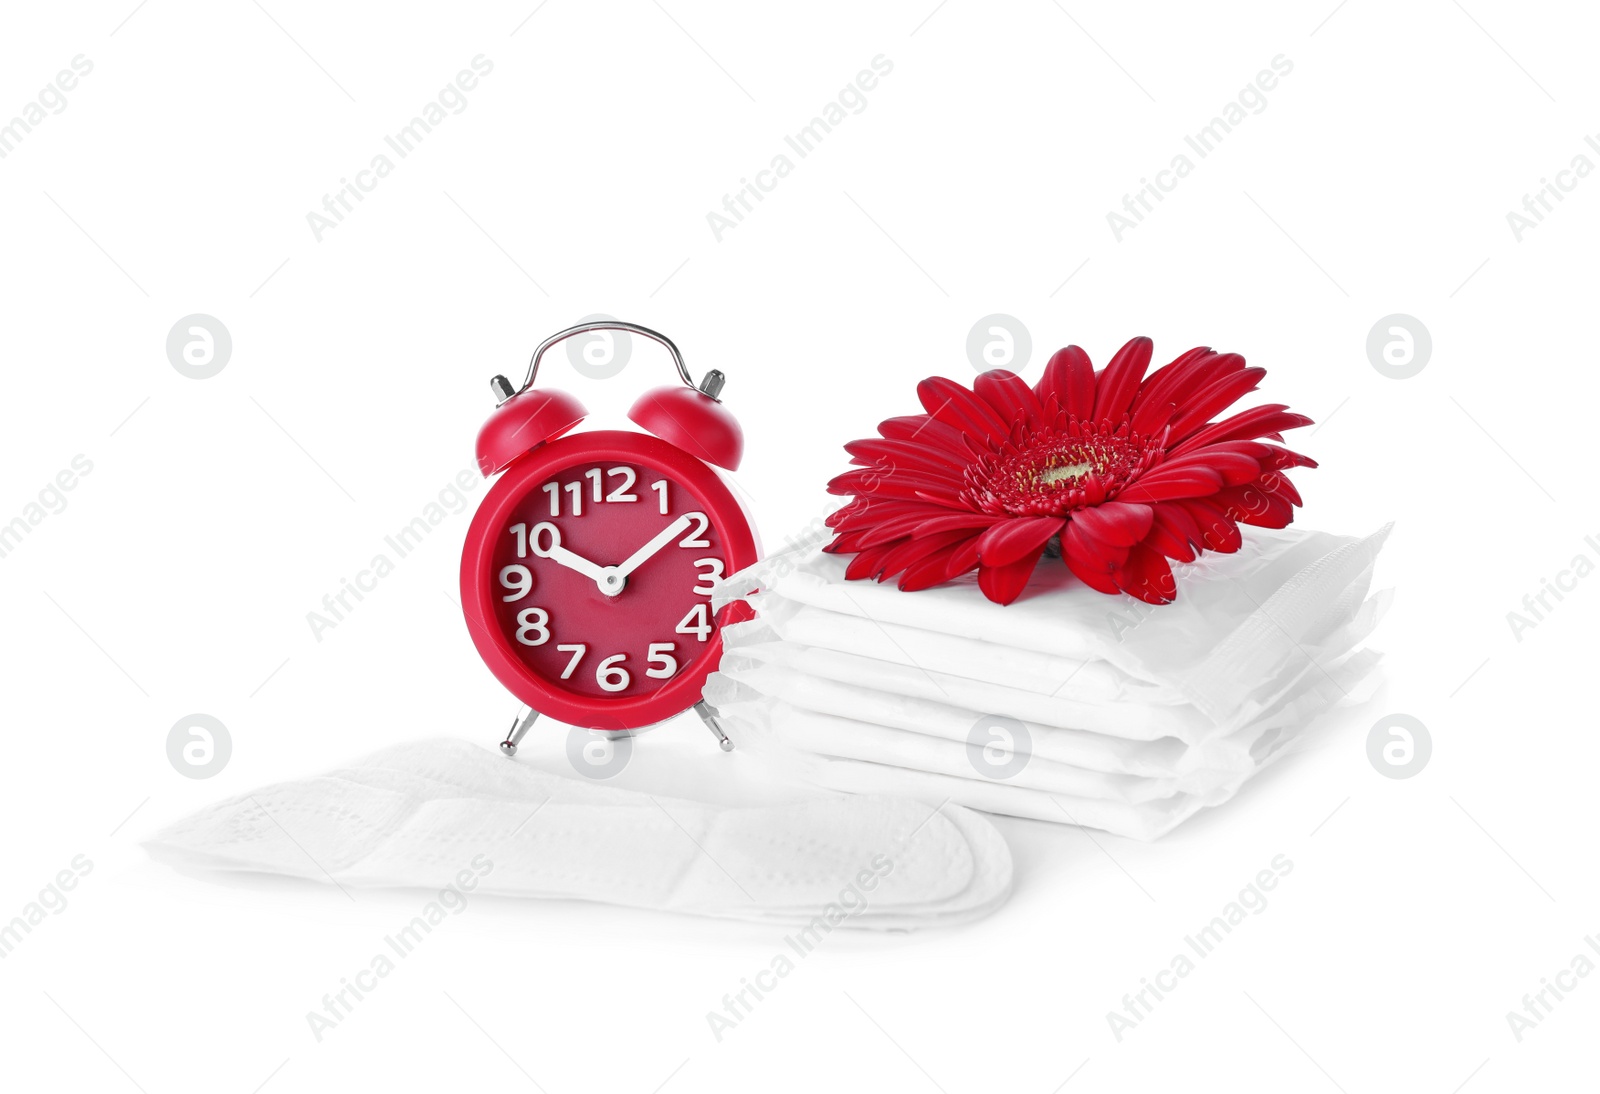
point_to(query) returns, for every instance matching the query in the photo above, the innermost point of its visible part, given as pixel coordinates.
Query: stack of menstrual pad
(1068, 705)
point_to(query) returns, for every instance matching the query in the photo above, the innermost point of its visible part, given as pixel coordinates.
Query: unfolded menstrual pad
(415, 815)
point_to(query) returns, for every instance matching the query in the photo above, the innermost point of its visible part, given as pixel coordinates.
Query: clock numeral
(623, 492)
(693, 539)
(577, 649)
(661, 652)
(535, 622)
(660, 487)
(697, 622)
(620, 492)
(544, 528)
(713, 574)
(530, 540)
(611, 676)
(574, 488)
(519, 579)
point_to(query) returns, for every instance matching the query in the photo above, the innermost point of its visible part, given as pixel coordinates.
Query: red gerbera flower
(1113, 471)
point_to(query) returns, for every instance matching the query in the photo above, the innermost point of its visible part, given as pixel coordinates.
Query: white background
(977, 180)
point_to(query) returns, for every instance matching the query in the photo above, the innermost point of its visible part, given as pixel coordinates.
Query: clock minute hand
(648, 551)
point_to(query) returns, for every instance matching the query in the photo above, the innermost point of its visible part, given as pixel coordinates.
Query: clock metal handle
(609, 324)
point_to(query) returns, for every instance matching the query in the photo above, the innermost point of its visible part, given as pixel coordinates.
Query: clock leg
(519, 729)
(709, 716)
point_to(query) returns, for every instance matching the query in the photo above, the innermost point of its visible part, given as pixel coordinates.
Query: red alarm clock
(588, 569)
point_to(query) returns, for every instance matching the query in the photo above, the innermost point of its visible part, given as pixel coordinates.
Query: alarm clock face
(588, 574)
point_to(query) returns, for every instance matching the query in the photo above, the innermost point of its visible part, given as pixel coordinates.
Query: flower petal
(1193, 481)
(1212, 399)
(964, 560)
(943, 522)
(1260, 421)
(1010, 397)
(930, 571)
(1281, 458)
(917, 549)
(1258, 508)
(1117, 385)
(1147, 576)
(1235, 468)
(1281, 486)
(1177, 523)
(901, 484)
(1089, 559)
(1167, 536)
(1149, 415)
(867, 564)
(1010, 540)
(1003, 584)
(1069, 376)
(1268, 503)
(1161, 384)
(1217, 529)
(923, 430)
(907, 524)
(863, 513)
(1118, 523)
(1205, 372)
(879, 451)
(949, 402)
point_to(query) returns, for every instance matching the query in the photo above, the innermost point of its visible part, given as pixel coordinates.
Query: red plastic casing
(523, 422)
(692, 420)
(657, 591)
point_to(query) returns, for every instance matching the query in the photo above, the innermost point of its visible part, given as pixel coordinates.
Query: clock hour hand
(648, 551)
(561, 556)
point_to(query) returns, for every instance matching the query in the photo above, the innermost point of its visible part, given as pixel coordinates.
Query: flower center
(1054, 471)
(1052, 475)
